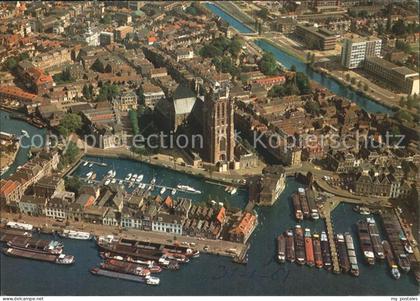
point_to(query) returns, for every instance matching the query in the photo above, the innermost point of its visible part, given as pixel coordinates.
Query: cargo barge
(151, 265)
(365, 242)
(9, 234)
(391, 260)
(303, 203)
(297, 207)
(317, 251)
(313, 209)
(299, 245)
(150, 280)
(290, 246)
(36, 245)
(325, 249)
(309, 249)
(354, 267)
(58, 259)
(343, 256)
(125, 267)
(281, 248)
(378, 249)
(393, 229)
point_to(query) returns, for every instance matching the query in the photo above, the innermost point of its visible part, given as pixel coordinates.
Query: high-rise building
(355, 51)
(218, 127)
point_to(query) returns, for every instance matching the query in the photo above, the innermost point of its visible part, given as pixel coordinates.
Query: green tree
(72, 184)
(366, 87)
(70, 123)
(302, 83)
(312, 107)
(268, 64)
(402, 101)
(399, 28)
(11, 64)
(87, 91)
(388, 25)
(353, 80)
(235, 47)
(134, 121)
(348, 77)
(107, 92)
(402, 116)
(107, 19)
(263, 13)
(69, 155)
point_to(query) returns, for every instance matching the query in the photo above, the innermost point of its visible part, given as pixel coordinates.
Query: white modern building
(167, 223)
(355, 51)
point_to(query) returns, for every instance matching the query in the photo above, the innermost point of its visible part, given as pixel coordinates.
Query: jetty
(326, 214)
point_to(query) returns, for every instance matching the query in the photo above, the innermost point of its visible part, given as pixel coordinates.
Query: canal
(288, 61)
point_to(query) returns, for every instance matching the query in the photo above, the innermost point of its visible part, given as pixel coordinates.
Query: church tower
(218, 126)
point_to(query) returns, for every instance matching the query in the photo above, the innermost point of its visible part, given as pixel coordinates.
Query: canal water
(287, 60)
(14, 126)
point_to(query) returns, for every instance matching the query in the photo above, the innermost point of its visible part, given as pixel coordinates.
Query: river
(287, 60)
(14, 126)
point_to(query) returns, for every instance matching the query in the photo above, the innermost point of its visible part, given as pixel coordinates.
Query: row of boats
(302, 247)
(20, 244)
(304, 205)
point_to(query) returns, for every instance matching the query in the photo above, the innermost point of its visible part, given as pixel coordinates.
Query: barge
(125, 267)
(317, 251)
(365, 242)
(391, 260)
(343, 256)
(75, 235)
(313, 209)
(150, 280)
(303, 203)
(299, 245)
(309, 249)
(325, 249)
(354, 267)
(378, 249)
(297, 207)
(290, 246)
(36, 245)
(281, 248)
(58, 259)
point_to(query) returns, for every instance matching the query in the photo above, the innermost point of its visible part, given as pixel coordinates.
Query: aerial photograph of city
(209, 148)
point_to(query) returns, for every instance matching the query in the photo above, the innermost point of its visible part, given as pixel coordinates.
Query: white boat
(75, 234)
(114, 181)
(128, 177)
(109, 173)
(86, 163)
(120, 182)
(162, 191)
(24, 133)
(89, 174)
(20, 226)
(153, 181)
(91, 164)
(151, 280)
(134, 177)
(140, 178)
(233, 191)
(131, 184)
(107, 181)
(187, 188)
(173, 191)
(114, 173)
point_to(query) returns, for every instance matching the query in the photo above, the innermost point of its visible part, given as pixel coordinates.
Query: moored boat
(303, 203)
(309, 250)
(343, 256)
(28, 254)
(317, 250)
(281, 248)
(376, 240)
(72, 234)
(365, 242)
(150, 280)
(299, 245)
(290, 246)
(36, 245)
(391, 260)
(297, 207)
(354, 267)
(325, 249)
(404, 263)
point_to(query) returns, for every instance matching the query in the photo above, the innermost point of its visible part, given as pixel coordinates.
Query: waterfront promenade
(211, 246)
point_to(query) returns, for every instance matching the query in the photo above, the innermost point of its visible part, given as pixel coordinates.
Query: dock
(330, 235)
(242, 257)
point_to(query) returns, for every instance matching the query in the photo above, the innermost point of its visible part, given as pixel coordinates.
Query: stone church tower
(218, 126)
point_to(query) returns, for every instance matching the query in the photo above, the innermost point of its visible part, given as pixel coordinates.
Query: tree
(403, 116)
(87, 91)
(380, 29)
(263, 13)
(268, 64)
(359, 84)
(72, 184)
(353, 80)
(293, 68)
(11, 64)
(399, 28)
(312, 107)
(70, 123)
(366, 87)
(107, 19)
(302, 83)
(107, 92)
(235, 47)
(192, 10)
(402, 101)
(134, 121)
(348, 77)
(69, 155)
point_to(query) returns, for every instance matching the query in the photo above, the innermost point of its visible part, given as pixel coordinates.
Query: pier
(326, 213)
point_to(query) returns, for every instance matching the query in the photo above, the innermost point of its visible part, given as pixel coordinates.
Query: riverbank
(285, 49)
(230, 8)
(210, 246)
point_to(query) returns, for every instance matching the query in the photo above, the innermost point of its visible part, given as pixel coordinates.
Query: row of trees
(221, 46)
(358, 83)
(298, 84)
(410, 102)
(132, 114)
